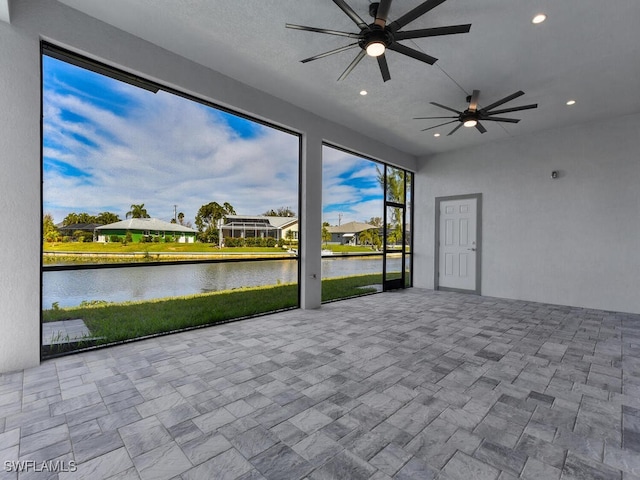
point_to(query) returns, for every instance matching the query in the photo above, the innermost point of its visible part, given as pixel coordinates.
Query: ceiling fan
(472, 115)
(375, 38)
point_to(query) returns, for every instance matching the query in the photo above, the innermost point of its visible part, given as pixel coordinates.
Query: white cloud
(350, 188)
(165, 151)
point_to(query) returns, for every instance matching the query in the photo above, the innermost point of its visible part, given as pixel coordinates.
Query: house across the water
(260, 226)
(145, 230)
(347, 234)
(75, 230)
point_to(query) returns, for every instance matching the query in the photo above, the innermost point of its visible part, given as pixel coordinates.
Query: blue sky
(350, 190)
(108, 145)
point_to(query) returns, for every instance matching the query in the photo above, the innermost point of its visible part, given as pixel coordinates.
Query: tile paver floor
(409, 385)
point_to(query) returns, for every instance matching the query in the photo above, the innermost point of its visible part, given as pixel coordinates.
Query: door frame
(399, 283)
(478, 198)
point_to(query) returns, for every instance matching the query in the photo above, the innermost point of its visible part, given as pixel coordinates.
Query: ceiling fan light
(470, 123)
(375, 49)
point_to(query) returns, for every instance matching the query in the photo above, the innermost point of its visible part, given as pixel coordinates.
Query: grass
(114, 322)
(343, 287)
(94, 252)
(114, 247)
(348, 248)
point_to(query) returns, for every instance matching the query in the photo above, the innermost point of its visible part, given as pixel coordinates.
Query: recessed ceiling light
(571, 102)
(436, 134)
(539, 18)
(363, 92)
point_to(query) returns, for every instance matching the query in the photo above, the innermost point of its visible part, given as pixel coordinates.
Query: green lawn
(93, 252)
(114, 247)
(123, 321)
(348, 248)
(113, 252)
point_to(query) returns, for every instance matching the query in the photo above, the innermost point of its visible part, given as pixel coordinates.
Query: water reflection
(70, 287)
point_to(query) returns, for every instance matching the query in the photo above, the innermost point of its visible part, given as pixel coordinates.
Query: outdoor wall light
(554, 174)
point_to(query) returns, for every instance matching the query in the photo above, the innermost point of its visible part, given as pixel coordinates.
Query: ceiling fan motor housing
(467, 115)
(375, 34)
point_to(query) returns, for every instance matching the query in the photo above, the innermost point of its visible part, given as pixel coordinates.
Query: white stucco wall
(20, 191)
(20, 205)
(574, 240)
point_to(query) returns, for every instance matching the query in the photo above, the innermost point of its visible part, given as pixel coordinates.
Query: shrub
(271, 242)
(128, 238)
(233, 242)
(114, 238)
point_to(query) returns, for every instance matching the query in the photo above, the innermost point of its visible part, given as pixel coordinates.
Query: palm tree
(70, 219)
(106, 218)
(138, 211)
(370, 237)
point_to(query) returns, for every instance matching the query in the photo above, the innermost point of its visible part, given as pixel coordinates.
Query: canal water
(70, 287)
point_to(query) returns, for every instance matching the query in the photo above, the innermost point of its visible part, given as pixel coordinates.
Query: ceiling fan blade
(480, 128)
(431, 128)
(351, 14)
(514, 109)
(473, 103)
(430, 118)
(330, 52)
(501, 119)
(352, 65)
(432, 32)
(413, 14)
(384, 68)
(504, 100)
(410, 52)
(383, 12)
(454, 130)
(445, 107)
(322, 30)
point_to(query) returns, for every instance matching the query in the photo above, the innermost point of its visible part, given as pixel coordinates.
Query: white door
(458, 244)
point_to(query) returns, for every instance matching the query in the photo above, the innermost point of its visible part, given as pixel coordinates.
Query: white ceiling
(587, 50)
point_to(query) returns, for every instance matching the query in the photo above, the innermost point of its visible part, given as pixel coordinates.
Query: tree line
(207, 221)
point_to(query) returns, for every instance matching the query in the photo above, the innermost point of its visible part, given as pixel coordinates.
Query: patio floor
(64, 331)
(409, 385)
